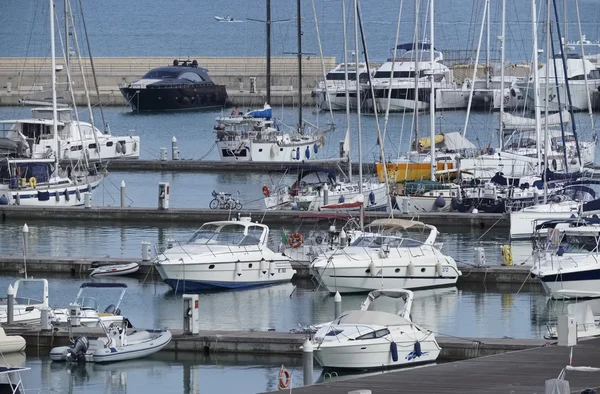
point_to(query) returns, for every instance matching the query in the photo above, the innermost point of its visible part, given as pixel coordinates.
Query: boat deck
(520, 372)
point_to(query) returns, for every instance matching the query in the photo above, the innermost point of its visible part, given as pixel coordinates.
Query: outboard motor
(113, 310)
(77, 352)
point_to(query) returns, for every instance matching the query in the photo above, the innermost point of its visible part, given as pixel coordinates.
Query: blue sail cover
(261, 113)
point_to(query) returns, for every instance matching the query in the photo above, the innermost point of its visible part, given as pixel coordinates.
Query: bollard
(174, 149)
(307, 359)
(45, 319)
(325, 195)
(337, 302)
(145, 251)
(10, 305)
(163, 154)
(123, 194)
(87, 200)
(25, 248)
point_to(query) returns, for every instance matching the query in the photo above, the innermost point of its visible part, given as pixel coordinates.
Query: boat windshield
(579, 243)
(161, 74)
(379, 241)
(227, 234)
(88, 303)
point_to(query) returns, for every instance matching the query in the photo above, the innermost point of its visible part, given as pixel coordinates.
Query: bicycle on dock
(224, 200)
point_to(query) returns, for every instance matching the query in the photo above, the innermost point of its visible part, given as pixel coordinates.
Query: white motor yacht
(566, 258)
(226, 254)
(26, 310)
(331, 93)
(375, 260)
(367, 339)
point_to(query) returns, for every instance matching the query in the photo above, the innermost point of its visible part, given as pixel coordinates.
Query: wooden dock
(519, 372)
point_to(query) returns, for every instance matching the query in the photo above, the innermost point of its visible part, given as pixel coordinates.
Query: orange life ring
(266, 191)
(285, 379)
(295, 240)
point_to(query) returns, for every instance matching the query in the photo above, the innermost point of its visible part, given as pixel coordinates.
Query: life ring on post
(266, 191)
(285, 379)
(295, 240)
(507, 255)
(32, 182)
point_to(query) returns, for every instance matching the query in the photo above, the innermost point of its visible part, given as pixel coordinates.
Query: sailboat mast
(536, 84)
(268, 23)
(53, 75)
(502, 49)
(546, 94)
(416, 98)
(299, 33)
(359, 127)
(67, 52)
(347, 138)
(432, 96)
(487, 49)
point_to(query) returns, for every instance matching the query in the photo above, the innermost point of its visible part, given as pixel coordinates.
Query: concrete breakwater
(30, 77)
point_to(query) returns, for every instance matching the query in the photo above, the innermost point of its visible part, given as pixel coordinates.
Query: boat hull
(580, 284)
(365, 355)
(115, 270)
(175, 98)
(194, 285)
(53, 196)
(247, 150)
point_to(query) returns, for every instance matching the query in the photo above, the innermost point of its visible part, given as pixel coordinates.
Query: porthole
(211, 266)
(422, 269)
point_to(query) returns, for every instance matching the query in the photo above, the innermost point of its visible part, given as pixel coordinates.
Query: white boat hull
(522, 223)
(50, 196)
(246, 150)
(115, 270)
(365, 354)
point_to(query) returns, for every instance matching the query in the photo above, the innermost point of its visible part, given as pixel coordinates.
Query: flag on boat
(284, 240)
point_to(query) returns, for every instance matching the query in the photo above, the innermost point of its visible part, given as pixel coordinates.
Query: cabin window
(333, 332)
(230, 153)
(280, 149)
(92, 146)
(381, 333)
(260, 150)
(370, 335)
(109, 143)
(161, 74)
(193, 77)
(76, 148)
(211, 266)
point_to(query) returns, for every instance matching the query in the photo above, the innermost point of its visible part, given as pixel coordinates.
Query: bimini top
(102, 285)
(575, 222)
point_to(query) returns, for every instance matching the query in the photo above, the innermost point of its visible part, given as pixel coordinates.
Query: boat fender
(454, 203)
(394, 351)
(560, 251)
(293, 154)
(410, 269)
(78, 194)
(32, 182)
(118, 147)
(417, 349)
(271, 268)
(263, 266)
(266, 191)
(238, 268)
(507, 257)
(3, 200)
(18, 199)
(372, 198)
(439, 269)
(440, 202)
(124, 148)
(316, 148)
(296, 240)
(285, 378)
(57, 196)
(512, 92)
(307, 152)
(67, 197)
(298, 154)
(341, 200)
(371, 269)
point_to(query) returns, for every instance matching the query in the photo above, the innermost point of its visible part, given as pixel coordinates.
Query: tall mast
(53, 75)
(299, 32)
(67, 52)
(347, 138)
(487, 49)
(502, 48)
(536, 83)
(546, 94)
(359, 127)
(416, 47)
(268, 51)
(432, 97)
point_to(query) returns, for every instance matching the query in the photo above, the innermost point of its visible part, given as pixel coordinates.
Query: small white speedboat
(11, 343)
(225, 19)
(118, 345)
(115, 270)
(364, 339)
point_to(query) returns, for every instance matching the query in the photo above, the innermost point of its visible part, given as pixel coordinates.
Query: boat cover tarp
(371, 318)
(456, 142)
(400, 224)
(261, 113)
(510, 121)
(557, 386)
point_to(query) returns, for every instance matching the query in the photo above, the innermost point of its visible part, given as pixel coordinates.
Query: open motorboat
(115, 270)
(227, 18)
(331, 93)
(587, 324)
(367, 339)
(26, 310)
(566, 257)
(11, 380)
(77, 141)
(181, 86)
(116, 345)
(225, 254)
(256, 136)
(387, 259)
(84, 310)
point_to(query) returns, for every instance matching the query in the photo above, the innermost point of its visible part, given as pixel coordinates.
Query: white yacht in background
(256, 136)
(76, 141)
(376, 260)
(367, 339)
(577, 67)
(403, 79)
(229, 254)
(331, 93)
